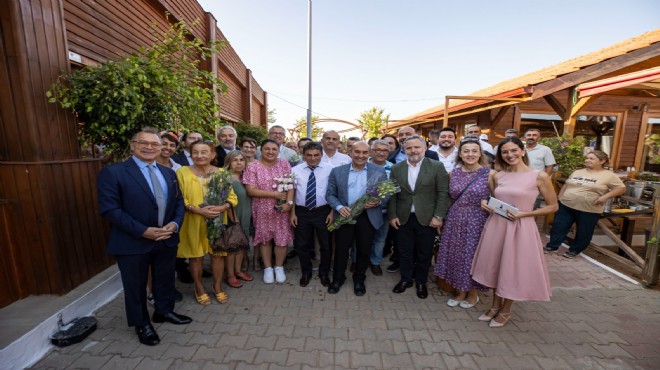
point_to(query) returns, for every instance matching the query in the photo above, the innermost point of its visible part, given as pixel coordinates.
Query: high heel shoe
(488, 315)
(495, 324)
(221, 297)
(203, 299)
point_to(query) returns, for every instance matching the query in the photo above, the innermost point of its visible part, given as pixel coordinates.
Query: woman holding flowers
(235, 164)
(198, 182)
(270, 208)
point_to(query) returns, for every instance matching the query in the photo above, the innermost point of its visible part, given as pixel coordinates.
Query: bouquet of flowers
(216, 190)
(374, 192)
(283, 184)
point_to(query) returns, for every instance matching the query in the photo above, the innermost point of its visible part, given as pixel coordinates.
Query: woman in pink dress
(270, 224)
(509, 257)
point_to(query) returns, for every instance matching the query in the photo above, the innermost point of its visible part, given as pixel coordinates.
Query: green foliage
(300, 129)
(372, 122)
(247, 130)
(162, 87)
(271, 116)
(568, 152)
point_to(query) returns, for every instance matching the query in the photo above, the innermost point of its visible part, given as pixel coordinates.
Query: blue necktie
(310, 196)
(158, 193)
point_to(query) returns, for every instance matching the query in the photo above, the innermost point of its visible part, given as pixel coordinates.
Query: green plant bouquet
(217, 189)
(374, 192)
(568, 152)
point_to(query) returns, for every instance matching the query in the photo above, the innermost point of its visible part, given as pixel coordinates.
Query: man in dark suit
(227, 138)
(400, 155)
(346, 184)
(188, 138)
(143, 203)
(417, 212)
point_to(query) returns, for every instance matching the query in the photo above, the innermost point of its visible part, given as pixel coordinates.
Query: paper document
(501, 207)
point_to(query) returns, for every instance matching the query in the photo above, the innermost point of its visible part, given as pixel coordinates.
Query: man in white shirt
(476, 131)
(332, 156)
(447, 150)
(278, 134)
(311, 213)
(540, 156)
(434, 138)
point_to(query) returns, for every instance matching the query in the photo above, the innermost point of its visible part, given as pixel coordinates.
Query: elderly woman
(581, 201)
(271, 220)
(193, 237)
(509, 257)
(235, 164)
(170, 143)
(248, 147)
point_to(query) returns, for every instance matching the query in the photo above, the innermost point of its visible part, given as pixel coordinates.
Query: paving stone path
(594, 321)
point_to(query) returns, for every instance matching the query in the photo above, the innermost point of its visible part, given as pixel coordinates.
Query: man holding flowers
(347, 185)
(417, 212)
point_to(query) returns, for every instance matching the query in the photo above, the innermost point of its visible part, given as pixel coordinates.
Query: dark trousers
(134, 269)
(415, 243)
(585, 223)
(362, 232)
(392, 240)
(310, 221)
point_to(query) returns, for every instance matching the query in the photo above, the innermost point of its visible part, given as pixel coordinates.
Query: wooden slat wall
(231, 103)
(257, 110)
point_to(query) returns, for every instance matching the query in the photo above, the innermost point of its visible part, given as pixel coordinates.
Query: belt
(313, 208)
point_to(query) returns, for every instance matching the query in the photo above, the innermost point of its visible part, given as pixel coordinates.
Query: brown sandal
(233, 282)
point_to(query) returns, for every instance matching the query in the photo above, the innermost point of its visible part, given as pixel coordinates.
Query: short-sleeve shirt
(540, 157)
(584, 186)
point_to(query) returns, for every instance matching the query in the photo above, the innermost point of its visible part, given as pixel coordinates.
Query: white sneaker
(280, 277)
(268, 275)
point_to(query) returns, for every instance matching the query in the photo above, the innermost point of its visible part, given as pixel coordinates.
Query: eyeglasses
(381, 150)
(147, 144)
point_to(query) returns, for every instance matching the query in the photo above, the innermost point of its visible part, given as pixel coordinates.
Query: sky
(405, 56)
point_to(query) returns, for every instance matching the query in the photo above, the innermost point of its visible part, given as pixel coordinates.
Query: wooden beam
(595, 71)
(555, 105)
(500, 114)
(616, 257)
(569, 122)
(639, 261)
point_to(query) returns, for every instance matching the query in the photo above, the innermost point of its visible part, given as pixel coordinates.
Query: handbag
(232, 239)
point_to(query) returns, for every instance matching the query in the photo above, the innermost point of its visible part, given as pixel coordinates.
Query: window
(651, 151)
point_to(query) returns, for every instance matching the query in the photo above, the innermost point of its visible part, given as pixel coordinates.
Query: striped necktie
(310, 196)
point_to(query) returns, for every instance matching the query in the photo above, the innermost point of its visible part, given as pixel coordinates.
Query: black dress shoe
(352, 267)
(376, 270)
(359, 289)
(334, 287)
(171, 317)
(325, 281)
(402, 286)
(304, 281)
(147, 335)
(394, 267)
(178, 296)
(422, 292)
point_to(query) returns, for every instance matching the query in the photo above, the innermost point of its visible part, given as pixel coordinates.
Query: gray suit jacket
(337, 193)
(430, 197)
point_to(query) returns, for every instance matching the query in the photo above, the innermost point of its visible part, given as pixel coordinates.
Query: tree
(372, 122)
(244, 130)
(161, 87)
(300, 129)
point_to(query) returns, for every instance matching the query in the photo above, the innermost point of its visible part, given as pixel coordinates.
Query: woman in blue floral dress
(468, 185)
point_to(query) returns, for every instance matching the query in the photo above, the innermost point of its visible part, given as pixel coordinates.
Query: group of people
(155, 202)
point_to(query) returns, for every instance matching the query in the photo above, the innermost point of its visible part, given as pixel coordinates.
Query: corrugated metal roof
(552, 72)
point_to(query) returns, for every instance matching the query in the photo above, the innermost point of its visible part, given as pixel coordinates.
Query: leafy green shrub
(244, 130)
(162, 87)
(568, 152)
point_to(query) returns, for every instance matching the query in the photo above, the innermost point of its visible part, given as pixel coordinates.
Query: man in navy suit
(184, 158)
(143, 203)
(346, 184)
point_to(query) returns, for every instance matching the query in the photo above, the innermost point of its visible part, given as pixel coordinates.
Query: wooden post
(651, 266)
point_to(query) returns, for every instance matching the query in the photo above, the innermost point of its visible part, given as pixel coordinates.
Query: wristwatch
(290, 202)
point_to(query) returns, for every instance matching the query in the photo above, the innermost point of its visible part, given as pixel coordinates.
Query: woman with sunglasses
(468, 186)
(509, 257)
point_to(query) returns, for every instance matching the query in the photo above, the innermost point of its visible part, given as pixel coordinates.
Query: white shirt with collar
(413, 173)
(336, 160)
(188, 157)
(321, 174)
(449, 161)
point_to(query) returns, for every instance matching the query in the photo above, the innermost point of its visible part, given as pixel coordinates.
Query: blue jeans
(378, 244)
(585, 223)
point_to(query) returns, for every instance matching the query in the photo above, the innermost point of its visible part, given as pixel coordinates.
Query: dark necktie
(310, 196)
(158, 193)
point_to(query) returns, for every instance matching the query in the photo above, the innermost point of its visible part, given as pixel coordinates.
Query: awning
(646, 79)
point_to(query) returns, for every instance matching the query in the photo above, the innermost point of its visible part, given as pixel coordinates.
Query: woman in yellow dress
(193, 238)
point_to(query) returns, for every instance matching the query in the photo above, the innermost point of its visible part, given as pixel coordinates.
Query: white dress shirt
(321, 174)
(449, 161)
(336, 160)
(413, 173)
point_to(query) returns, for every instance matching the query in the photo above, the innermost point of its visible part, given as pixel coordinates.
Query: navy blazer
(181, 159)
(337, 192)
(127, 202)
(428, 154)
